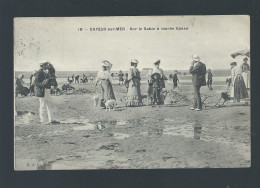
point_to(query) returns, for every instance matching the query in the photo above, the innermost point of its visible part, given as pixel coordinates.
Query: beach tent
(245, 52)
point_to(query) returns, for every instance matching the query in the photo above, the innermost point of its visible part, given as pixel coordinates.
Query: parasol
(245, 52)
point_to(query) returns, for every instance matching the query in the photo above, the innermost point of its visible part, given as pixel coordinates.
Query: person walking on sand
(121, 77)
(209, 81)
(134, 97)
(198, 71)
(175, 80)
(42, 91)
(238, 88)
(105, 79)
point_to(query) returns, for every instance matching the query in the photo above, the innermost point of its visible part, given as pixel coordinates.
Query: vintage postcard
(139, 92)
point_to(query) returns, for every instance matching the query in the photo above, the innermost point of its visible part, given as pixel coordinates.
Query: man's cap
(134, 61)
(196, 57)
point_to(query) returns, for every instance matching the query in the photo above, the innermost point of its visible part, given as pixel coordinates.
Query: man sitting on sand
(198, 71)
(42, 91)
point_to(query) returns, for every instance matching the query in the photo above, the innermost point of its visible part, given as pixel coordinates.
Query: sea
(219, 76)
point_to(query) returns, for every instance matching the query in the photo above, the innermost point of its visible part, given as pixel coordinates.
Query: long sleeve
(37, 80)
(109, 77)
(233, 74)
(98, 77)
(130, 74)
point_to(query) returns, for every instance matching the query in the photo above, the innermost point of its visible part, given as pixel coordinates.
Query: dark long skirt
(240, 91)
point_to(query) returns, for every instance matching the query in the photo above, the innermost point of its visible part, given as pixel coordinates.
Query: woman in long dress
(134, 97)
(238, 88)
(105, 79)
(246, 72)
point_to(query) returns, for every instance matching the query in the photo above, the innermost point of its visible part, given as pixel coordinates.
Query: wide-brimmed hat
(233, 63)
(157, 62)
(155, 74)
(245, 59)
(44, 64)
(20, 76)
(196, 57)
(105, 63)
(134, 61)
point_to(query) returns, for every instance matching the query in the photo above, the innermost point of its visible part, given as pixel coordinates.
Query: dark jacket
(198, 74)
(39, 87)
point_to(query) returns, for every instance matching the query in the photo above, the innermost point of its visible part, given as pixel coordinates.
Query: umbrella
(245, 52)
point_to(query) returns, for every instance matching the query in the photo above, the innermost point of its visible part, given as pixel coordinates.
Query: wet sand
(169, 136)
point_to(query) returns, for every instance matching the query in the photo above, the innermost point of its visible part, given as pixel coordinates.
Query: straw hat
(196, 57)
(134, 61)
(105, 63)
(20, 76)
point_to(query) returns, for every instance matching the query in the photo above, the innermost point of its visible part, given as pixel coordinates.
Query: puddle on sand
(121, 135)
(75, 121)
(197, 131)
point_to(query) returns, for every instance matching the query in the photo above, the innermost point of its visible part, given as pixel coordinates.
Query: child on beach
(175, 80)
(155, 88)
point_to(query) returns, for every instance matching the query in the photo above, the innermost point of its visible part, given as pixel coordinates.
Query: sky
(59, 41)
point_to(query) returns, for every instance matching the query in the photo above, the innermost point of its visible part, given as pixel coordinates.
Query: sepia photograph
(132, 92)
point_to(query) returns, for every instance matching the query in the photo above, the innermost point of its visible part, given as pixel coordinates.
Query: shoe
(197, 109)
(192, 108)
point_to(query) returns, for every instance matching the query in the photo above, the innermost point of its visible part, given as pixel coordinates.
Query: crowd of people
(43, 80)
(78, 80)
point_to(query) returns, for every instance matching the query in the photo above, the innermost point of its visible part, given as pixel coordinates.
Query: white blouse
(104, 75)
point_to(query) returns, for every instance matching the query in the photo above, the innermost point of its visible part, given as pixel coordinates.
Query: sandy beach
(169, 136)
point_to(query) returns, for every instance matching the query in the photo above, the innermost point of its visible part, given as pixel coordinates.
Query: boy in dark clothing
(156, 85)
(175, 80)
(121, 77)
